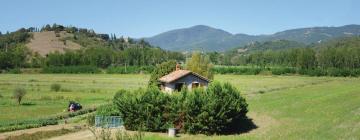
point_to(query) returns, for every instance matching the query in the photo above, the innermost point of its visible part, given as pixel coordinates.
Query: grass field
(282, 107)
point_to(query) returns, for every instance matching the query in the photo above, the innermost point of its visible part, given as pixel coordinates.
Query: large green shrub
(143, 108)
(213, 110)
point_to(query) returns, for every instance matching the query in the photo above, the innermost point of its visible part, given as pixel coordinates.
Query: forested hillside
(79, 50)
(100, 50)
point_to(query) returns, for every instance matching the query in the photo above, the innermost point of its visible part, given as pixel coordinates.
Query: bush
(55, 87)
(19, 93)
(214, 110)
(143, 108)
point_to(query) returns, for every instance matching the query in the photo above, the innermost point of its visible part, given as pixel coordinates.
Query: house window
(195, 85)
(178, 86)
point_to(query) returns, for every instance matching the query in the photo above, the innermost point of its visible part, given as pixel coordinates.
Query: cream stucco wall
(187, 80)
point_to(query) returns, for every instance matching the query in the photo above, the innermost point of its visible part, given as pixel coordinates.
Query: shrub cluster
(208, 111)
(129, 69)
(70, 69)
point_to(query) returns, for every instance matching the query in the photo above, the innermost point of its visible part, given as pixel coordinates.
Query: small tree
(200, 64)
(18, 94)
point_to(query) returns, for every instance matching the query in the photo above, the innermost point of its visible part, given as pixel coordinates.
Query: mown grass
(282, 107)
(40, 101)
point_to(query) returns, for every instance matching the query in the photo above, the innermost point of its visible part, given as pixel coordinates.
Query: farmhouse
(175, 80)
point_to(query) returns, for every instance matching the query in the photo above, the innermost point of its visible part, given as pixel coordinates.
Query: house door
(178, 86)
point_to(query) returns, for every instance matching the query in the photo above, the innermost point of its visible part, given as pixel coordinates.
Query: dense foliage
(13, 53)
(208, 111)
(161, 70)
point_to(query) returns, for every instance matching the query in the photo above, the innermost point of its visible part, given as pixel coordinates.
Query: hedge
(213, 110)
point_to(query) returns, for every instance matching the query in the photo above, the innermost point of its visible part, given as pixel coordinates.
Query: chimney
(178, 66)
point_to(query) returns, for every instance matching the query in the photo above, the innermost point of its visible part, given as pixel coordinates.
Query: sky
(145, 18)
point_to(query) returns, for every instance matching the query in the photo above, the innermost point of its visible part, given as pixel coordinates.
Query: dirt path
(81, 135)
(34, 130)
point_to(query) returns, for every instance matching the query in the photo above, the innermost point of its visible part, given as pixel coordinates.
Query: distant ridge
(205, 38)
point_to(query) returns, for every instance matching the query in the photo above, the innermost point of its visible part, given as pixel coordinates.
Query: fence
(108, 121)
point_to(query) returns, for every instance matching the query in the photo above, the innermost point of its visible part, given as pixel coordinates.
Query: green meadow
(281, 107)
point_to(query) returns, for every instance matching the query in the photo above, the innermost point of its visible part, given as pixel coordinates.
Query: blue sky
(144, 18)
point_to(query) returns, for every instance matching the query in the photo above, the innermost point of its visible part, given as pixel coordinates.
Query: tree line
(103, 51)
(339, 53)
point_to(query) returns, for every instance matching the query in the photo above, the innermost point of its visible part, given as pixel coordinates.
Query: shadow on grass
(28, 104)
(241, 126)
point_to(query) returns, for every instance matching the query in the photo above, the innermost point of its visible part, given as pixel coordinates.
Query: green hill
(206, 38)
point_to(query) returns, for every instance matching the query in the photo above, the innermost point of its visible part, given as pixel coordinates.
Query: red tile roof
(179, 74)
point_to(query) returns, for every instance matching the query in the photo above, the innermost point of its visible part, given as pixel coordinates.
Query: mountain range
(205, 38)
